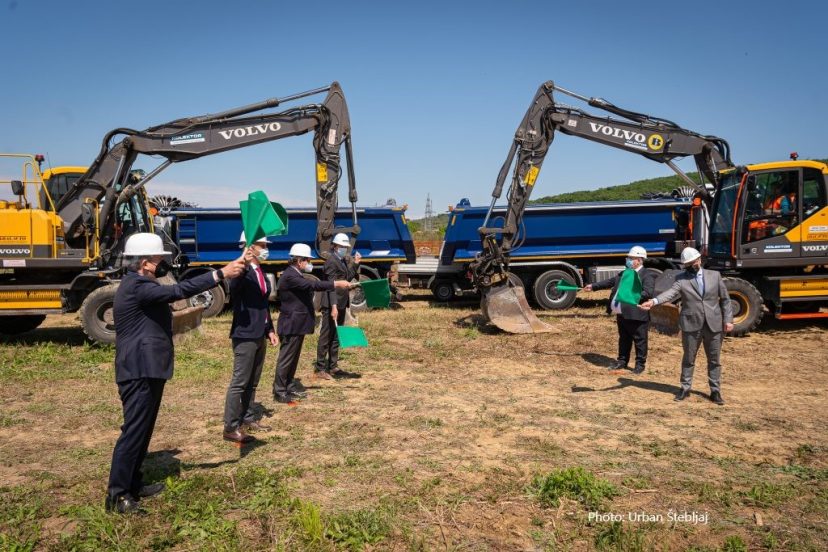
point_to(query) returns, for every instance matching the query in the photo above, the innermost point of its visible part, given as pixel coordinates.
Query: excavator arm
(110, 183)
(657, 139)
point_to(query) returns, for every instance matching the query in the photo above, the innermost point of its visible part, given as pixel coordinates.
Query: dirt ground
(436, 446)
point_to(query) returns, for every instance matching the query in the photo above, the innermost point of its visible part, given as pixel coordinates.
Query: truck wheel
(746, 302)
(212, 300)
(357, 296)
(546, 290)
(13, 325)
(96, 315)
(443, 290)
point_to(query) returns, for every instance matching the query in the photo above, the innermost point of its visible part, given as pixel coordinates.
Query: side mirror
(17, 187)
(88, 216)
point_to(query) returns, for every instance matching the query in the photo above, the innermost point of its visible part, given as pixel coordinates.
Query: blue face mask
(264, 254)
(629, 263)
(341, 251)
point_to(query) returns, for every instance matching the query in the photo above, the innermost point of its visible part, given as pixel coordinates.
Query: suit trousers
(327, 351)
(248, 359)
(140, 399)
(290, 347)
(712, 342)
(629, 332)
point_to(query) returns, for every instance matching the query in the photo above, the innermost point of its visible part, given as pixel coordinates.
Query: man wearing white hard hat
(144, 358)
(633, 323)
(705, 315)
(338, 266)
(296, 318)
(252, 328)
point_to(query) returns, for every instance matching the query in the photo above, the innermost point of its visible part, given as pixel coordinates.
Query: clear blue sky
(435, 89)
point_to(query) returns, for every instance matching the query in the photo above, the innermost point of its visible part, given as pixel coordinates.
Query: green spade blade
(629, 288)
(262, 218)
(351, 336)
(563, 286)
(377, 293)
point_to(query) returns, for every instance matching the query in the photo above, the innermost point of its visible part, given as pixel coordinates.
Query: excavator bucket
(185, 317)
(506, 307)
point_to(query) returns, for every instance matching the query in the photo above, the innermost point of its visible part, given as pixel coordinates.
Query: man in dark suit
(251, 329)
(144, 358)
(706, 314)
(633, 323)
(296, 317)
(338, 266)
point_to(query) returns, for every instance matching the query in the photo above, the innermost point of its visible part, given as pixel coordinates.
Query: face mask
(264, 254)
(693, 268)
(162, 269)
(308, 267)
(629, 263)
(341, 251)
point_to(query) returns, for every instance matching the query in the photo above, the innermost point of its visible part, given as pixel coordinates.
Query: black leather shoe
(638, 370)
(716, 397)
(298, 394)
(238, 436)
(151, 490)
(683, 394)
(285, 399)
(123, 504)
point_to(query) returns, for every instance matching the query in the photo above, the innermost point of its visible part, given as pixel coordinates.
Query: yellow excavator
(773, 252)
(62, 232)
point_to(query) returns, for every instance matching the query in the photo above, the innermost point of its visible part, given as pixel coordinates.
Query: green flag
(351, 336)
(377, 293)
(629, 288)
(262, 218)
(566, 286)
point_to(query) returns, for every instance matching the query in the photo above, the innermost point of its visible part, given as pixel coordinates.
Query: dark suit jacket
(338, 269)
(296, 313)
(630, 312)
(251, 309)
(143, 324)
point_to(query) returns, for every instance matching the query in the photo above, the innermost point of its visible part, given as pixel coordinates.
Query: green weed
(356, 529)
(616, 537)
(575, 483)
(733, 543)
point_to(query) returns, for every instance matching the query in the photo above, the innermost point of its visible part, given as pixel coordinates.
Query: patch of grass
(356, 529)
(733, 543)
(543, 446)
(615, 536)
(764, 495)
(422, 422)
(8, 421)
(308, 520)
(742, 425)
(575, 483)
(20, 511)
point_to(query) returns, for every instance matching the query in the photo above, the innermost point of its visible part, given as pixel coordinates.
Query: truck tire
(14, 325)
(546, 293)
(96, 314)
(357, 296)
(212, 300)
(443, 290)
(747, 303)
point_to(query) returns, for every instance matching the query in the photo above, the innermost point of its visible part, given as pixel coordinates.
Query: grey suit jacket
(714, 308)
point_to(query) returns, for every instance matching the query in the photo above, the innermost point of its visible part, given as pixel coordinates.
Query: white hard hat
(300, 250)
(638, 251)
(243, 241)
(689, 255)
(144, 244)
(342, 239)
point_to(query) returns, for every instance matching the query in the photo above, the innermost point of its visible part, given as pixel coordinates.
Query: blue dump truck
(209, 238)
(580, 243)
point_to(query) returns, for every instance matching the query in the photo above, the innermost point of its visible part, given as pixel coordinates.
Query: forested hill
(633, 190)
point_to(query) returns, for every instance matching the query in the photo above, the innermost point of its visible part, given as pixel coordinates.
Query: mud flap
(506, 307)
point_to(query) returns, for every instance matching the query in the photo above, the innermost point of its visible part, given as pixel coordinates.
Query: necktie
(261, 280)
(700, 278)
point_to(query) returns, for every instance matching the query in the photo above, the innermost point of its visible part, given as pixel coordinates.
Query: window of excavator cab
(813, 192)
(771, 207)
(723, 206)
(58, 185)
(132, 216)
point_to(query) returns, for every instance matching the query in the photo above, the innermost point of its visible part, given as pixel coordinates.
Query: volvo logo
(253, 130)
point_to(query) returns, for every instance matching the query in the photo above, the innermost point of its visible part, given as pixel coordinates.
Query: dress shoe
(151, 490)
(298, 394)
(683, 394)
(238, 436)
(286, 398)
(618, 365)
(638, 370)
(297, 387)
(342, 374)
(322, 375)
(255, 426)
(123, 504)
(716, 397)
